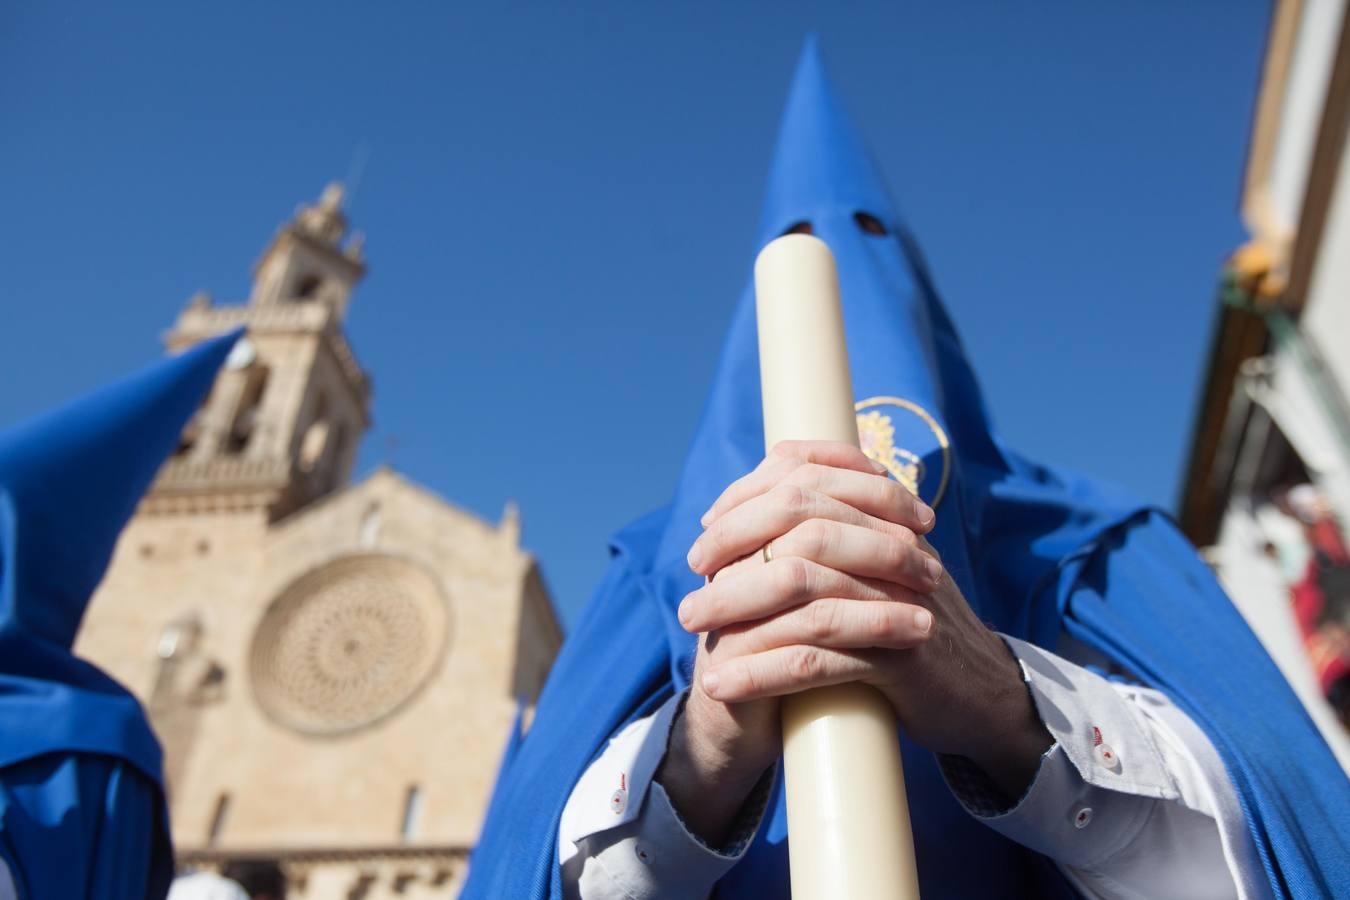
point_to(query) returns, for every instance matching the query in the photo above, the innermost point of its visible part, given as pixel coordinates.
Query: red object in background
(1321, 601)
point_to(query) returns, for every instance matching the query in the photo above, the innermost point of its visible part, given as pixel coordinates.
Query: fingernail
(880, 469)
(685, 611)
(710, 682)
(926, 515)
(923, 620)
(934, 569)
(695, 557)
(705, 518)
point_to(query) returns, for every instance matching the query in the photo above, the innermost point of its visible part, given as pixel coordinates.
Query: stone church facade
(333, 668)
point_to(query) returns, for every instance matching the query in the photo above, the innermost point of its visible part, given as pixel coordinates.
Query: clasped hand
(852, 592)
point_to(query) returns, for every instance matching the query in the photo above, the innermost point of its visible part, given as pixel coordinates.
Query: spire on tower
(311, 258)
(324, 221)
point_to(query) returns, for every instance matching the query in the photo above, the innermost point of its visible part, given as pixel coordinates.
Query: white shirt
(1131, 802)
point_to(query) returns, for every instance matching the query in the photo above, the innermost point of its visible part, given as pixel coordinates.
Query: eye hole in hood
(802, 227)
(870, 223)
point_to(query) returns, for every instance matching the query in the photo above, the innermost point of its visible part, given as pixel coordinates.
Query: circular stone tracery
(347, 644)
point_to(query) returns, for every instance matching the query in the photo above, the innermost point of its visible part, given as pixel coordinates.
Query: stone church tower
(333, 668)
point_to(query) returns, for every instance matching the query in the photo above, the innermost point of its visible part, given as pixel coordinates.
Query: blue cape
(1036, 552)
(82, 810)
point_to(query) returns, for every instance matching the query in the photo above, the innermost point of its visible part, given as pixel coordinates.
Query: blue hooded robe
(1037, 552)
(82, 810)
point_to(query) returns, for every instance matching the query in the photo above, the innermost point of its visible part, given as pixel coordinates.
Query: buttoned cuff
(1061, 815)
(611, 790)
(1094, 787)
(657, 856)
(632, 840)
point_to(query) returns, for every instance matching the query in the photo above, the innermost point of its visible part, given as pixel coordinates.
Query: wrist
(1014, 738)
(708, 771)
(732, 743)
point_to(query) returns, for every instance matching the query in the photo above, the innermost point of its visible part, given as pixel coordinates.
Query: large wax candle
(848, 817)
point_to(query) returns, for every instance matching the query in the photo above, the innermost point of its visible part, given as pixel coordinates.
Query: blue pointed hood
(920, 408)
(821, 164)
(70, 480)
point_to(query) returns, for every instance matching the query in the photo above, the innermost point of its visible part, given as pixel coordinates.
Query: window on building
(222, 812)
(312, 445)
(340, 441)
(191, 432)
(308, 287)
(314, 442)
(369, 532)
(412, 812)
(179, 637)
(245, 423)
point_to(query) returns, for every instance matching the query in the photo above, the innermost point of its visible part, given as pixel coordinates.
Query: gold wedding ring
(767, 552)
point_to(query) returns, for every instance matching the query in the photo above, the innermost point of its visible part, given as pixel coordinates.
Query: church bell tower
(283, 421)
(308, 645)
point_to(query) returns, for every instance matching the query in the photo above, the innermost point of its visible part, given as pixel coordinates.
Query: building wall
(291, 788)
(286, 790)
(1326, 313)
(167, 569)
(1303, 94)
(1269, 475)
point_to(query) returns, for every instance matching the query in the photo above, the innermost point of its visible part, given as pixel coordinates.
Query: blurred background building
(1267, 490)
(333, 668)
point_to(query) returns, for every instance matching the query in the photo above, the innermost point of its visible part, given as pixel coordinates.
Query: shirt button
(1106, 757)
(1082, 817)
(618, 801)
(642, 853)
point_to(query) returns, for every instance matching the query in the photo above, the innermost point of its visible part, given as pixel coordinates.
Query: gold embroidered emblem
(876, 433)
(877, 436)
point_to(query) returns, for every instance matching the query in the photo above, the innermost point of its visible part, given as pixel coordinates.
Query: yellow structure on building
(333, 668)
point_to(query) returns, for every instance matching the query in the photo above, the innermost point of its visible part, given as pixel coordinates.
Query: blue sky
(560, 203)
